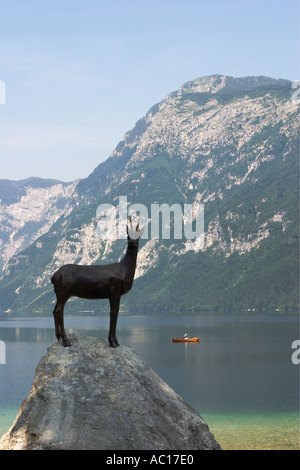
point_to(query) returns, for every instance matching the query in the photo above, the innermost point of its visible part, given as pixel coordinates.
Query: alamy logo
(186, 222)
(296, 354)
(295, 95)
(2, 353)
(2, 92)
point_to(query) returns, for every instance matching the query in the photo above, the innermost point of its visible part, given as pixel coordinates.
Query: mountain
(28, 209)
(228, 143)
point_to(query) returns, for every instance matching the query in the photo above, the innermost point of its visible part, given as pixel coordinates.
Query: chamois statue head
(133, 236)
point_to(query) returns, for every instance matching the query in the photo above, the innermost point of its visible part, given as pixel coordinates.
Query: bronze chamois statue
(96, 282)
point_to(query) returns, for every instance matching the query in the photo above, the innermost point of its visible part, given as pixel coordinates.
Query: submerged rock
(91, 396)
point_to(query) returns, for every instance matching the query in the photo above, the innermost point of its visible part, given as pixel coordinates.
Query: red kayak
(185, 340)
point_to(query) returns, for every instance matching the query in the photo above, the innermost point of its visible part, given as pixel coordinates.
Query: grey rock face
(91, 396)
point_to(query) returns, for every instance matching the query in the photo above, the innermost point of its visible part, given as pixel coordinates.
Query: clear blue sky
(79, 74)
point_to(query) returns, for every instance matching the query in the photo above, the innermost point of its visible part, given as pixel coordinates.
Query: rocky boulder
(91, 396)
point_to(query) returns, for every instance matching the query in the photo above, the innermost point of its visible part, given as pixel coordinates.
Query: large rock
(91, 396)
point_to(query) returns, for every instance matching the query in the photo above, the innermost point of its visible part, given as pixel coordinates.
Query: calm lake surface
(239, 377)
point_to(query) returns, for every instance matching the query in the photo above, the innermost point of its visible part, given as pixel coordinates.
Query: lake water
(239, 377)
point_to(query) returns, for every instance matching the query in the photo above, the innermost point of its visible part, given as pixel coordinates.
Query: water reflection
(239, 363)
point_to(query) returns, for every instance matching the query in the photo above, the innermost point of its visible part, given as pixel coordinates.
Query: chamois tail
(56, 277)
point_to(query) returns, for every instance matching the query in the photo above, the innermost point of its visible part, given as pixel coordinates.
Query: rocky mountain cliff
(28, 209)
(229, 143)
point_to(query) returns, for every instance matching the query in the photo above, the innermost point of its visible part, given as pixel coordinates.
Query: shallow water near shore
(276, 431)
(239, 377)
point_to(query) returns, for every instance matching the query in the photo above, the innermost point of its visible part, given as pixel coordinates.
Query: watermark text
(163, 221)
(2, 92)
(296, 354)
(2, 353)
(296, 94)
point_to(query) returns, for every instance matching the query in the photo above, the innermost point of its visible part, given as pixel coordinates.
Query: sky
(78, 74)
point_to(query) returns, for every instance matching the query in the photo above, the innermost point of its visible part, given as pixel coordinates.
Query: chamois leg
(59, 322)
(114, 311)
(66, 342)
(56, 322)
